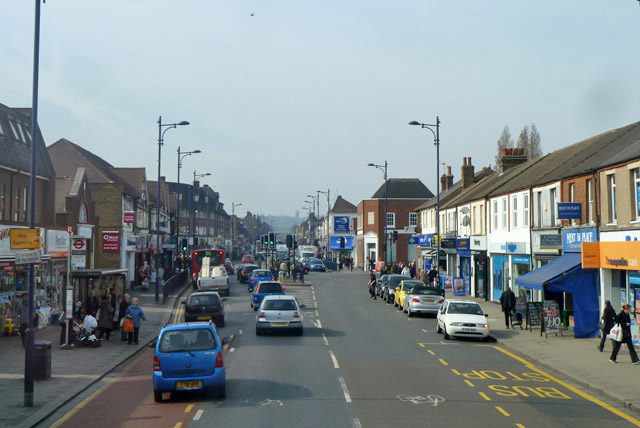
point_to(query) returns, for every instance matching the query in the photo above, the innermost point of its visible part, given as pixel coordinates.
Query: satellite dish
(466, 221)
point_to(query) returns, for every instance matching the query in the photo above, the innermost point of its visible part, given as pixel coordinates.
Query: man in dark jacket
(508, 302)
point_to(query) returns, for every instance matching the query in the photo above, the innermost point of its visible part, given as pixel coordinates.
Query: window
(525, 210)
(391, 219)
(413, 219)
(539, 209)
(514, 212)
(505, 213)
(451, 218)
(553, 206)
(611, 184)
(572, 197)
(495, 215)
(591, 206)
(635, 188)
(370, 218)
(14, 132)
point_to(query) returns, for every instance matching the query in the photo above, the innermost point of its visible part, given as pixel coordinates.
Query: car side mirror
(226, 340)
(486, 315)
(152, 344)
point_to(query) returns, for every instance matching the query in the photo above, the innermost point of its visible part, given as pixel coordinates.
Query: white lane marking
(335, 361)
(198, 415)
(269, 402)
(356, 423)
(240, 332)
(345, 391)
(326, 342)
(318, 324)
(232, 349)
(317, 314)
(424, 330)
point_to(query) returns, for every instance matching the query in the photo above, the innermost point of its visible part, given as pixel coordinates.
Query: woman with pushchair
(77, 317)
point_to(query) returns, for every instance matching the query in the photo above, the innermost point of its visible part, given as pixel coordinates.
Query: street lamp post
(383, 168)
(233, 231)
(195, 199)
(160, 143)
(181, 155)
(328, 193)
(436, 136)
(316, 211)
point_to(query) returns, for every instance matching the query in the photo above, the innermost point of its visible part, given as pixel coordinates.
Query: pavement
(74, 370)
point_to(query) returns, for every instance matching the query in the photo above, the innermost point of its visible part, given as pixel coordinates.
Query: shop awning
(97, 273)
(563, 265)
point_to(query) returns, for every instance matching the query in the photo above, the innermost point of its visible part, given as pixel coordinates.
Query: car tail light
(219, 360)
(415, 300)
(441, 301)
(262, 315)
(296, 315)
(273, 279)
(156, 364)
(251, 279)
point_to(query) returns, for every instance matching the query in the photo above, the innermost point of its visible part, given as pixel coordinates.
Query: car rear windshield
(187, 340)
(262, 273)
(270, 288)
(420, 289)
(465, 308)
(396, 280)
(204, 300)
(279, 305)
(249, 268)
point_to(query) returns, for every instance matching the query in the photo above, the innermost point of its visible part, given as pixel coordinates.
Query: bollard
(280, 276)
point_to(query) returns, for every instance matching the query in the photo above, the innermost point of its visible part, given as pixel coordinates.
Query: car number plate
(428, 300)
(468, 329)
(204, 318)
(279, 323)
(189, 384)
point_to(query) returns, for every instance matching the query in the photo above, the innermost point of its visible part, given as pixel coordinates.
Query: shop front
(501, 265)
(479, 278)
(463, 249)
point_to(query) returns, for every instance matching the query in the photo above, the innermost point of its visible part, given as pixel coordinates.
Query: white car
(462, 318)
(279, 313)
(216, 279)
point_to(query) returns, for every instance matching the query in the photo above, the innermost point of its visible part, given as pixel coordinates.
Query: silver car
(423, 299)
(279, 313)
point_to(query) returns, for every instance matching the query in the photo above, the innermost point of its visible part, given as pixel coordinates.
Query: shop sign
(508, 247)
(478, 243)
(28, 256)
(129, 217)
(572, 239)
(611, 255)
(110, 242)
(57, 243)
(24, 239)
(341, 224)
(463, 246)
(130, 242)
(521, 260)
(550, 241)
(448, 243)
(569, 210)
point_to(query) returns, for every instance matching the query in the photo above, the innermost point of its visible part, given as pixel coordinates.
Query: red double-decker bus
(216, 258)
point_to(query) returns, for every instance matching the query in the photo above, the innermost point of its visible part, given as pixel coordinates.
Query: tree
(529, 140)
(504, 142)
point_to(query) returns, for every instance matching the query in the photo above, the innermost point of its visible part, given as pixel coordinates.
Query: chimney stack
(511, 158)
(449, 178)
(467, 173)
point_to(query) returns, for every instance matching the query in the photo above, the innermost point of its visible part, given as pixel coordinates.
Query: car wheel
(221, 323)
(157, 396)
(438, 329)
(258, 332)
(409, 313)
(222, 392)
(300, 331)
(446, 335)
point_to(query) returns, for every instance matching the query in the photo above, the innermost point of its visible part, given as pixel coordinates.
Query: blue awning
(563, 265)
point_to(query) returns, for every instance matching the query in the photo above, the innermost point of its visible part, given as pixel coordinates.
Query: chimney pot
(449, 170)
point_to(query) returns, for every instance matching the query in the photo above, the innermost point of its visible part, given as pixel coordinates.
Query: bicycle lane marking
(571, 388)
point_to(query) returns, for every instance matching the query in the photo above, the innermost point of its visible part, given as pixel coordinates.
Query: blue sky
(302, 95)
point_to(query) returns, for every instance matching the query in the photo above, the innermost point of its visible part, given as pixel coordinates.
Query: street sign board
(28, 256)
(70, 230)
(341, 224)
(79, 245)
(24, 239)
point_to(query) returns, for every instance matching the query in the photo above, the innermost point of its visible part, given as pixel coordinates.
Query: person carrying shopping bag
(623, 321)
(134, 312)
(608, 320)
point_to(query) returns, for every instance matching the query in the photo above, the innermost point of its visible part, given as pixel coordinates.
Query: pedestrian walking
(351, 263)
(295, 272)
(124, 304)
(405, 271)
(624, 320)
(372, 286)
(412, 270)
(105, 318)
(508, 302)
(431, 276)
(92, 304)
(135, 313)
(423, 277)
(22, 313)
(608, 320)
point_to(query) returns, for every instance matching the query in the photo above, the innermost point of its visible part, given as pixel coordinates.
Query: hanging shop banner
(57, 243)
(110, 242)
(569, 210)
(129, 217)
(25, 239)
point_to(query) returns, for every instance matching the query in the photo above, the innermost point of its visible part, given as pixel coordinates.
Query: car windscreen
(425, 291)
(279, 305)
(262, 273)
(187, 340)
(249, 268)
(395, 280)
(315, 261)
(204, 300)
(270, 288)
(465, 308)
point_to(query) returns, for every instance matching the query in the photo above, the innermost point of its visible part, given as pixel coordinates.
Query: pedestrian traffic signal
(342, 242)
(184, 245)
(272, 240)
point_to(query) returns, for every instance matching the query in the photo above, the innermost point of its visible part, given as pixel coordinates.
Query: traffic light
(342, 242)
(395, 235)
(184, 245)
(289, 241)
(265, 241)
(272, 240)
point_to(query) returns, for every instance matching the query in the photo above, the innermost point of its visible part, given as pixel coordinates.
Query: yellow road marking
(485, 396)
(575, 390)
(178, 425)
(501, 410)
(80, 405)
(421, 344)
(456, 372)
(468, 382)
(520, 426)
(188, 409)
(443, 361)
(431, 352)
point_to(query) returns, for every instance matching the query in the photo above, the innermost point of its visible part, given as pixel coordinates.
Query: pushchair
(85, 335)
(516, 319)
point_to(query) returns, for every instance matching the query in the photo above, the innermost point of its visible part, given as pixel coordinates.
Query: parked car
(188, 357)
(462, 318)
(316, 265)
(204, 306)
(267, 288)
(405, 286)
(423, 299)
(304, 265)
(259, 275)
(381, 283)
(245, 271)
(279, 313)
(393, 281)
(217, 280)
(247, 258)
(229, 267)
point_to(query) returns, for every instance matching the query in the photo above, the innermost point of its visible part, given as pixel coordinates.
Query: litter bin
(42, 360)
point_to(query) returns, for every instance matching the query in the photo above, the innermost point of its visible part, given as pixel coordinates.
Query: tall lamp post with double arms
(167, 126)
(328, 193)
(181, 155)
(235, 221)
(195, 199)
(383, 168)
(436, 136)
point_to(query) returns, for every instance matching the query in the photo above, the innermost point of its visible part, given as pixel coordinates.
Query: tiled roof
(403, 188)
(132, 179)
(67, 157)
(342, 206)
(456, 189)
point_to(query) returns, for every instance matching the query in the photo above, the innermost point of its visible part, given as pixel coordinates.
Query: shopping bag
(616, 333)
(127, 327)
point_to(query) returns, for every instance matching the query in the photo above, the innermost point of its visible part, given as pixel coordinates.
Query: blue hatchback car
(188, 357)
(259, 275)
(267, 288)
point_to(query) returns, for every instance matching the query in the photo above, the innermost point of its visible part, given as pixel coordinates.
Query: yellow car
(403, 290)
